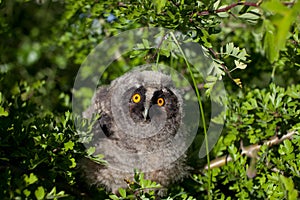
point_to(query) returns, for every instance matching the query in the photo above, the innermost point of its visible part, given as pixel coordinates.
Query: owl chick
(140, 127)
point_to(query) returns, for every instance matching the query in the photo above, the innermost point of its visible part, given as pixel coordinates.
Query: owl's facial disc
(150, 104)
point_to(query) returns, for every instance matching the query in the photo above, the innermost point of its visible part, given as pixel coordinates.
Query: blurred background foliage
(255, 46)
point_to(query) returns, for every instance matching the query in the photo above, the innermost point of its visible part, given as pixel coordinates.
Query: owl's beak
(146, 111)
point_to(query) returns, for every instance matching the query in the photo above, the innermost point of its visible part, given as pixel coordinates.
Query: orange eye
(160, 101)
(136, 98)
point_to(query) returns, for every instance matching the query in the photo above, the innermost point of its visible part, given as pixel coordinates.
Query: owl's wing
(100, 105)
(105, 123)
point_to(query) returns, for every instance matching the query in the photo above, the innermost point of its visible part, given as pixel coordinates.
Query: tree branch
(250, 151)
(227, 8)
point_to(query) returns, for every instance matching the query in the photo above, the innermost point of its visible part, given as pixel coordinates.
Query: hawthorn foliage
(253, 44)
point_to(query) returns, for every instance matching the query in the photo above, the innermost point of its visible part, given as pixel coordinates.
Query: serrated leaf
(235, 51)
(240, 65)
(242, 55)
(30, 179)
(229, 47)
(69, 145)
(251, 104)
(286, 148)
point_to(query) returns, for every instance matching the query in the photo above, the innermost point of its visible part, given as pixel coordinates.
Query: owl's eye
(160, 101)
(136, 98)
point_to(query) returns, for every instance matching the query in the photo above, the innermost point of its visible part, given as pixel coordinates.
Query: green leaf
(39, 193)
(219, 119)
(26, 192)
(91, 150)
(69, 145)
(54, 195)
(223, 14)
(122, 192)
(286, 148)
(160, 4)
(249, 16)
(30, 179)
(146, 44)
(3, 112)
(216, 4)
(288, 185)
(251, 104)
(52, 192)
(277, 28)
(269, 44)
(98, 159)
(73, 163)
(229, 47)
(114, 197)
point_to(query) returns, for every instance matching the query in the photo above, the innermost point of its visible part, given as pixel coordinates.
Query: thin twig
(159, 46)
(216, 56)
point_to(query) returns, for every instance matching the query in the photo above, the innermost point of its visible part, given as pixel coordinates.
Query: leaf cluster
(272, 172)
(253, 44)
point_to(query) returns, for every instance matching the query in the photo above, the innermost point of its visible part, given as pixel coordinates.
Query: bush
(254, 46)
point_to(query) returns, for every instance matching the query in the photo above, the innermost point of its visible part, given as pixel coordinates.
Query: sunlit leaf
(240, 65)
(30, 179)
(69, 145)
(39, 193)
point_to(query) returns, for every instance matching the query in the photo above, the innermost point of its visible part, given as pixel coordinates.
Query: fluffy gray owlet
(140, 127)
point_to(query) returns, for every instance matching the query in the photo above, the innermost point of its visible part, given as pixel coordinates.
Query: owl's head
(146, 102)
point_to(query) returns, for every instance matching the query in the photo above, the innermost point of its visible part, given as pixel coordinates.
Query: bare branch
(251, 151)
